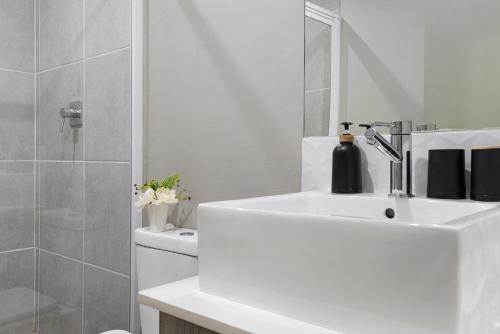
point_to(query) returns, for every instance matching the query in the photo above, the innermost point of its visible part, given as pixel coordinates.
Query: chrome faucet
(398, 151)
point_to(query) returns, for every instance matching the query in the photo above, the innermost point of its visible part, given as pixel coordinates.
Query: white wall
(332, 5)
(224, 96)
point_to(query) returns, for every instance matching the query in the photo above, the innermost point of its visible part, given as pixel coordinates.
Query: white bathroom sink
(339, 262)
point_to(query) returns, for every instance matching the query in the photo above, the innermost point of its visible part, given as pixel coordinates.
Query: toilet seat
(116, 331)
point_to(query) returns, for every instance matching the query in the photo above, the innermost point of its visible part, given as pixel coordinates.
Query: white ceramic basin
(338, 262)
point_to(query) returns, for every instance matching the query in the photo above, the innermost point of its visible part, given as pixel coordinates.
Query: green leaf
(170, 182)
(154, 184)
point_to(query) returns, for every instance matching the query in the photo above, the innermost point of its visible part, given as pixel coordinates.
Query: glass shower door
(17, 166)
(65, 140)
(83, 150)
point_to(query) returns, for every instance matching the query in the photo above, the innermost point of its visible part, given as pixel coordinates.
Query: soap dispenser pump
(346, 164)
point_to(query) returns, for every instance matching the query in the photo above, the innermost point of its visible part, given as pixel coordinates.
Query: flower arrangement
(156, 192)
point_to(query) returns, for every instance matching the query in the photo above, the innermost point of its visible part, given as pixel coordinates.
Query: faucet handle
(384, 124)
(367, 126)
(396, 127)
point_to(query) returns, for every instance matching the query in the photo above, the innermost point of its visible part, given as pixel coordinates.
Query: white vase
(157, 216)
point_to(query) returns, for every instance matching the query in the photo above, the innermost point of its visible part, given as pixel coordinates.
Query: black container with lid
(446, 174)
(485, 174)
(346, 165)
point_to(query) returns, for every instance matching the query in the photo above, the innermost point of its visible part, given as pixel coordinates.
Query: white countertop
(183, 299)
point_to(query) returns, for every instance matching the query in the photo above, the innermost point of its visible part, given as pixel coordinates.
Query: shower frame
(137, 52)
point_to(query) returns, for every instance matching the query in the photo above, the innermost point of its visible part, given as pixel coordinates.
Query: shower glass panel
(17, 166)
(65, 141)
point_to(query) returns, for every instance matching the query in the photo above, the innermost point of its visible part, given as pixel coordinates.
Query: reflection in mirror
(322, 41)
(429, 61)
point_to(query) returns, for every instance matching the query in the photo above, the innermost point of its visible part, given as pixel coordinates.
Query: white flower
(140, 202)
(145, 198)
(161, 196)
(165, 195)
(149, 195)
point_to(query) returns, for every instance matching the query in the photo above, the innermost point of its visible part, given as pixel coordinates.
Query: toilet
(162, 258)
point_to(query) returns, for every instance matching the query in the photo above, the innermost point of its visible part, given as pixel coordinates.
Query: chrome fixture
(398, 151)
(427, 127)
(74, 113)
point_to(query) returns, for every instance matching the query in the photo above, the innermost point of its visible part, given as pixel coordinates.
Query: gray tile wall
(16, 205)
(61, 206)
(60, 38)
(84, 176)
(16, 269)
(17, 35)
(17, 165)
(106, 302)
(65, 192)
(61, 279)
(17, 114)
(106, 236)
(16, 291)
(108, 120)
(56, 89)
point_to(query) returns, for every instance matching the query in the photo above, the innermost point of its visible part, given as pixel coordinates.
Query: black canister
(485, 175)
(446, 174)
(346, 165)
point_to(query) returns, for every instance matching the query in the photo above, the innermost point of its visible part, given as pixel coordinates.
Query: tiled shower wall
(65, 196)
(84, 175)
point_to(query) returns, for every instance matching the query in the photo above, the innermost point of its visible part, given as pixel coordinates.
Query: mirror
(434, 62)
(322, 55)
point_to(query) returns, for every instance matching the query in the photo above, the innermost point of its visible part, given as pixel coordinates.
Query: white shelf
(184, 300)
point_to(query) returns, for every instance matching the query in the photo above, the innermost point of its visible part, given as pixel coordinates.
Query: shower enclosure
(65, 166)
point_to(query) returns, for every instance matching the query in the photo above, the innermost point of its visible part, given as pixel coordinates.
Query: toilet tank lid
(177, 240)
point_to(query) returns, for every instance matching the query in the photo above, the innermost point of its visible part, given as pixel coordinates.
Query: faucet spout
(380, 143)
(398, 151)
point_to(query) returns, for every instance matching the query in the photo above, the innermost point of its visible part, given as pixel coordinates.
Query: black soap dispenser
(346, 165)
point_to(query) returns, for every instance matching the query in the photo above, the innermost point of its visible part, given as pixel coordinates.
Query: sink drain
(389, 213)
(187, 234)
